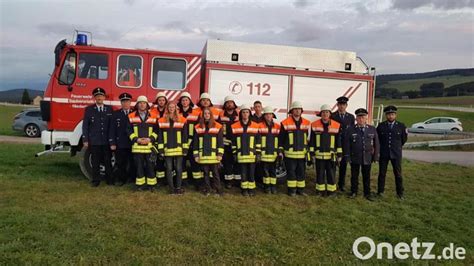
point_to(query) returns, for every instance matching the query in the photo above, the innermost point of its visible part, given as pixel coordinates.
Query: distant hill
(383, 79)
(14, 96)
(454, 81)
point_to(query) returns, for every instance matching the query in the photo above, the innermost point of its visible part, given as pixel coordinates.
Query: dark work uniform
(392, 137)
(259, 172)
(124, 170)
(361, 148)
(345, 120)
(95, 131)
(231, 170)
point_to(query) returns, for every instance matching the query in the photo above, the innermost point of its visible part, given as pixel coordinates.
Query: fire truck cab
(275, 75)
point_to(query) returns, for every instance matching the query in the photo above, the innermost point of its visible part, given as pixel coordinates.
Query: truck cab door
(81, 73)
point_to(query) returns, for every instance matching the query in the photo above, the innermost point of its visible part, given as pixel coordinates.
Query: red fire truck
(276, 75)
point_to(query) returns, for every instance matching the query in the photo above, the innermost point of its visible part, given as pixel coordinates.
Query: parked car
(29, 121)
(440, 123)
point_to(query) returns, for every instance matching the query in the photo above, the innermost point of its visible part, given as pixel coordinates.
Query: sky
(395, 36)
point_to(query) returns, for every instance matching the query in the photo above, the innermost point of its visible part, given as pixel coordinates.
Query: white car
(440, 123)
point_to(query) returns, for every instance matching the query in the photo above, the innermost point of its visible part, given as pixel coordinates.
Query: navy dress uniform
(346, 120)
(124, 169)
(393, 136)
(361, 149)
(95, 132)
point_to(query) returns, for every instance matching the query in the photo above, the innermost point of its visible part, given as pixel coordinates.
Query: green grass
(414, 84)
(411, 116)
(6, 120)
(50, 215)
(461, 101)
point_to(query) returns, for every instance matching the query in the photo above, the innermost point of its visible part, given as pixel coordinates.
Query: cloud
(302, 3)
(436, 4)
(403, 53)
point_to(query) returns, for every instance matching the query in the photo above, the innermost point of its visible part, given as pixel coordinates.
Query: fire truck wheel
(85, 163)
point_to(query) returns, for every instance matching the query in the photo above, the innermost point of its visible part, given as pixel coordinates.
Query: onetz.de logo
(416, 250)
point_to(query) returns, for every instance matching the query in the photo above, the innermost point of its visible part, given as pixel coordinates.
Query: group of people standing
(171, 143)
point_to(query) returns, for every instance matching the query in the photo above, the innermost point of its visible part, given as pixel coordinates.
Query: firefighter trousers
(247, 172)
(355, 169)
(194, 170)
(124, 170)
(145, 169)
(295, 174)
(269, 174)
(397, 172)
(160, 169)
(213, 182)
(174, 168)
(342, 173)
(231, 170)
(325, 176)
(101, 154)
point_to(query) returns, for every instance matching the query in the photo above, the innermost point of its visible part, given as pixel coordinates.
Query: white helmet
(185, 94)
(161, 94)
(268, 110)
(142, 98)
(244, 107)
(205, 95)
(325, 107)
(228, 98)
(295, 105)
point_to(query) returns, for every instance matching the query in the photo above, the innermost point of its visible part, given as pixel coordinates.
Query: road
(18, 139)
(454, 157)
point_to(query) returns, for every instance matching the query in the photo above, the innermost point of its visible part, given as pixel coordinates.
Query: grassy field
(6, 120)
(414, 84)
(411, 116)
(461, 101)
(50, 215)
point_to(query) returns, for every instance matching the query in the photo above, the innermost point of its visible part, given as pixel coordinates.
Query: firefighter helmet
(325, 107)
(295, 105)
(161, 94)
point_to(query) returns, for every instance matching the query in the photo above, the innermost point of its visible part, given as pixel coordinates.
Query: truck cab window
(93, 66)
(169, 74)
(129, 71)
(68, 72)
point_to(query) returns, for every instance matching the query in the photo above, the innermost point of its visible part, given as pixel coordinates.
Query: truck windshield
(68, 72)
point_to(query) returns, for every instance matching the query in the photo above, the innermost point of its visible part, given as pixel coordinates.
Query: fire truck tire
(85, 163)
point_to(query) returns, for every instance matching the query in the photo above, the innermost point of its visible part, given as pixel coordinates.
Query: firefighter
(326, 151)
(141, 130)
(392, 135)
(257, 115)
(294, 141)
(120, 142)
(95, 136)
(269, 131)
(258, 118)
(361, 148)
(158, 111)
(208, 149)
(173, 145)
(246, 149)
(346, 120)
(228, 116)
(191, 113)
(205, 101)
